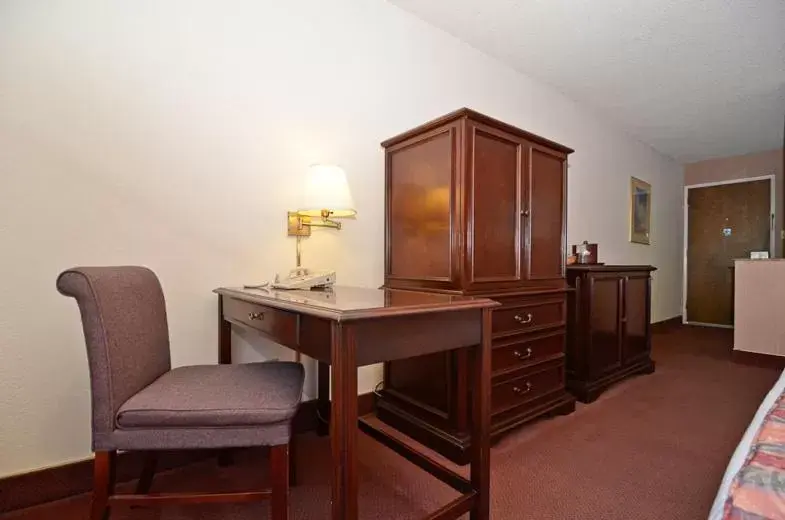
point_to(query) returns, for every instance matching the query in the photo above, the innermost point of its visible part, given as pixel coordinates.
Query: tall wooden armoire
(475, 206)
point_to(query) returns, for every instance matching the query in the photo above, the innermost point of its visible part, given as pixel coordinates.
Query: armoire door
(545, 214)
(494, 213)
(422, 244)
(605, 324)
(636, 318)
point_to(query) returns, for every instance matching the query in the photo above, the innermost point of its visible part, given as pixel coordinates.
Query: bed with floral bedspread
(754, 484)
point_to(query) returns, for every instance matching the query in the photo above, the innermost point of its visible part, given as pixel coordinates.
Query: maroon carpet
(653, 447)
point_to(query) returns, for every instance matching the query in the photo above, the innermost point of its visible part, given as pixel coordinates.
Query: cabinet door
(545, 212)
(636, 318)
(604, 324)
(494, 189)
(422, 240)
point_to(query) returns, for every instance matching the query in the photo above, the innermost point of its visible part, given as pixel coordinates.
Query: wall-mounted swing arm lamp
(326, 197)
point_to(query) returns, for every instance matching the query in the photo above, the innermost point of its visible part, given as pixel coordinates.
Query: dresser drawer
(516, 353)
(520, 315)
(529, 386)
(280, 326)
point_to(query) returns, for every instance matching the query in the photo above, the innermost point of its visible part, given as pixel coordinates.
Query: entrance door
(724, 222)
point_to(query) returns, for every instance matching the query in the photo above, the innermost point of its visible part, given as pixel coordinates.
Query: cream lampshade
(326, 193)
(325, 196)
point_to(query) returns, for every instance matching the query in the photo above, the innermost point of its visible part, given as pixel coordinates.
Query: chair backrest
(126, 333)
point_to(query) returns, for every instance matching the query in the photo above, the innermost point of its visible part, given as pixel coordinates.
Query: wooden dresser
(609, 330)
(475, 206)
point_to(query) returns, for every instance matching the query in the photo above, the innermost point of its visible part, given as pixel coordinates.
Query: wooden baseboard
(55, 483)
(758, 359)
(666, 325)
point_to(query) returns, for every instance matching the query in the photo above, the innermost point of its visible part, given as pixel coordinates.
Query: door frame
(772, 234)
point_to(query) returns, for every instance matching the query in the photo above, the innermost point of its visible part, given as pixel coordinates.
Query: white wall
(172, 134)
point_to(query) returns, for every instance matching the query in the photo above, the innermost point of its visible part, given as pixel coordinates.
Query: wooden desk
(350, 327)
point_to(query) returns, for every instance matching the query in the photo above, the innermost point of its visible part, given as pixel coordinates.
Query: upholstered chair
(140, 403)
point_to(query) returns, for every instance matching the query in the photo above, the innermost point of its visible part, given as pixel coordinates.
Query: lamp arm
(325, 222)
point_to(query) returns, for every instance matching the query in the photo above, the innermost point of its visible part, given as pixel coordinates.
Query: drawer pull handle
(520, 355)
(524, 319)
(519, 391)
(256, 316)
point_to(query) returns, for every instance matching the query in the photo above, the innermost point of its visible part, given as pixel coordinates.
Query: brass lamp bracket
(300, 225)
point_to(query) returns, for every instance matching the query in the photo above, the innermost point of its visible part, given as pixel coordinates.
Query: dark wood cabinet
(476, 206)
(608, 331)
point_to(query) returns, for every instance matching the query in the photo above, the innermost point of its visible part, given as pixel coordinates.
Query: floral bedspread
(758, 490)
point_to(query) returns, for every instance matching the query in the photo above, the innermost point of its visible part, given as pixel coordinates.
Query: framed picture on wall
(640, 211)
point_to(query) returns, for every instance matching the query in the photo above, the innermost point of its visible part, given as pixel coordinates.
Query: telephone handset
(304, 279)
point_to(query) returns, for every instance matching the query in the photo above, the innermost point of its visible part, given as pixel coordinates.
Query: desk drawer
(521, 315)
(529, 386)
(280, 326)
(516, 353)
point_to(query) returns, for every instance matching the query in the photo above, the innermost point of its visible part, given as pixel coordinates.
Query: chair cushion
(217, 395)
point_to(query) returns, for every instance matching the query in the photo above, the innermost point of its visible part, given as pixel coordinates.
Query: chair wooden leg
(103, 483)
(148, 473)
(292, 462)
(279, 478)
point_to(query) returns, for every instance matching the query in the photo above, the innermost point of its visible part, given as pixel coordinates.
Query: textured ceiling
(694, 79)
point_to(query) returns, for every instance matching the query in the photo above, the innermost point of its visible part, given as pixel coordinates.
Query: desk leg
(481, 402)
(323, 399)
(224, 335)
(343, 422)
(224, 358)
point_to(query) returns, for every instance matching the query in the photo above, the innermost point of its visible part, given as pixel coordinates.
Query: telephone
(304, 279)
